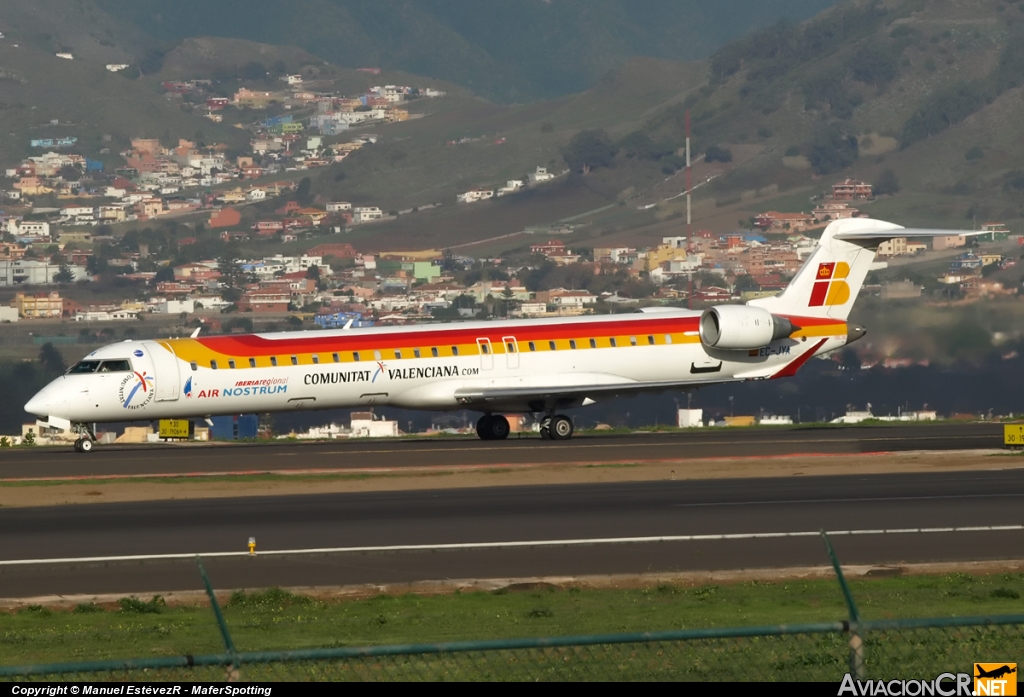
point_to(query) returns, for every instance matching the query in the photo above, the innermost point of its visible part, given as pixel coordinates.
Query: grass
(276, 619)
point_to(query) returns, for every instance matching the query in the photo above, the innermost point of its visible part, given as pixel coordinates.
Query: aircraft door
(486, 354)
(165, 369)
(511, 351)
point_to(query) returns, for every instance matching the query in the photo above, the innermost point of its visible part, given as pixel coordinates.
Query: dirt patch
(283, 483)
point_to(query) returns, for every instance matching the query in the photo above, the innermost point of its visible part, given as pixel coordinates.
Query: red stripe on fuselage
(357, 340)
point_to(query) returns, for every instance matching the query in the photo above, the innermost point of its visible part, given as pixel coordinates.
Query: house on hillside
(851, 190)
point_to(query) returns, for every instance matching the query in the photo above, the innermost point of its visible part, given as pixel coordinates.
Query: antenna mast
(689, 241)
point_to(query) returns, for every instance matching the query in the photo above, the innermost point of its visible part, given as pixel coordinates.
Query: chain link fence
(909, 648)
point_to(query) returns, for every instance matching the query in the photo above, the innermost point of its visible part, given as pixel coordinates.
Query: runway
(583, 513)
(128, 460)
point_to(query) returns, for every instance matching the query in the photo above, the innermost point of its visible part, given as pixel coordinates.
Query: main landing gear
(85, 441)
(492, 427)
(557, 427)
(495, 427)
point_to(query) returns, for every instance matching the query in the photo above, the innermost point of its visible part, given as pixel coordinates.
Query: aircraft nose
(48, 401)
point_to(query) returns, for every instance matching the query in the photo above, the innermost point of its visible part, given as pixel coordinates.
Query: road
(585, 515)
(428, 452)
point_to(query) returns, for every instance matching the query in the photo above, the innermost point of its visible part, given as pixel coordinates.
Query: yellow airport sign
(1013, 435)
(174, 428)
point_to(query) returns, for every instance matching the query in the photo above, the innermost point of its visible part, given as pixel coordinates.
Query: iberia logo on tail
(830, 287)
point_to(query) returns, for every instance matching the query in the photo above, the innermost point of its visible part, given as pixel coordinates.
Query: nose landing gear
(86, 439)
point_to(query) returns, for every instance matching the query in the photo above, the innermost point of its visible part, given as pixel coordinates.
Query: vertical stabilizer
(829, 281)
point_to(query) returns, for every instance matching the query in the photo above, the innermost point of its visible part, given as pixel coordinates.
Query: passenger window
(273, 360)
(231, 364)
(650, 340)
(195, 366)
(316, 359)
(612, 342)
(416, 352)
(668, 338)
(572, 343)
(398, 355)
(433, 352)
(510, 347)
(252, 362)
(213, 364)
(632, 341)
(551, 345)
(295, 360)
(484, 348)
(455, 350)
(355, 356)
(376, 355)
(533, 346)
(593, 343)
(337, 359)
(90, 367)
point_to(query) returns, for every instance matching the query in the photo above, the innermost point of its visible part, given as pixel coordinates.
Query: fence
(904, 648)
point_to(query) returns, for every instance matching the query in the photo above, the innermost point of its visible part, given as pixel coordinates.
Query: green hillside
(508, 50)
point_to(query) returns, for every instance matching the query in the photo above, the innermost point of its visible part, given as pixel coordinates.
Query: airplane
(995, 672)
(539, 366)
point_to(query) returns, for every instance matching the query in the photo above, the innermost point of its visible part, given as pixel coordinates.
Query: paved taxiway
(508, 514)
(428, 452)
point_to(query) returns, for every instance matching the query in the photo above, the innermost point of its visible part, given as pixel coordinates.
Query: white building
(8, 314)
(365, 214)
(115, 67)
(775, 420)
(28, 228)
(475, 195)
(364, 425)
(541, 175)
(176, 307)
(338, 206)
(690, 418)
(34, 272)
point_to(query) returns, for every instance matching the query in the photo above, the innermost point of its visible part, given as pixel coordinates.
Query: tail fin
(829, 281)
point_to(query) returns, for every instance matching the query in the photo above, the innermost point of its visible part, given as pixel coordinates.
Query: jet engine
(742, 327)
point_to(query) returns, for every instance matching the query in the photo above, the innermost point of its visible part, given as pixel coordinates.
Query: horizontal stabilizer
(869, 235)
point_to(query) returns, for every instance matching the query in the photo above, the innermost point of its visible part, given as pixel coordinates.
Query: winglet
(194, 334)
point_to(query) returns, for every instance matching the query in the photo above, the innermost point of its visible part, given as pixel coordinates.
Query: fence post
(856, 641)
(229, 644)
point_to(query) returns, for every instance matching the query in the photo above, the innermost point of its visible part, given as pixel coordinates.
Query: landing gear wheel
(483, 427)
(491, 427)
(561, 428)
(78, 445)
(83, 445)
(545, 429)
(499, 428)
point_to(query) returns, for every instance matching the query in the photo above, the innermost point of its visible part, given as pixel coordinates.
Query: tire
(499, 428)
(78, 445)
(86, 445)
(545, 433)
(561, 428)
(483, 427)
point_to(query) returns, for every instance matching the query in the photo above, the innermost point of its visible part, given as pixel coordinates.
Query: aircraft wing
(476, 396)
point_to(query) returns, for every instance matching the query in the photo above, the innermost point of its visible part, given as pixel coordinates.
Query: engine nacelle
(742, 327)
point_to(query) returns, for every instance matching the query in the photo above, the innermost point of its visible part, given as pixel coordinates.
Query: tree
(832, 150)
(313, 273)
(886, 184)
(64, 274)
(52, 360)
(715, 153)
(303, 193)
(588, 150)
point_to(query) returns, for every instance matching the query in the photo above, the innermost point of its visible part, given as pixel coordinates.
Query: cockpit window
(84, 367)
(121, 366)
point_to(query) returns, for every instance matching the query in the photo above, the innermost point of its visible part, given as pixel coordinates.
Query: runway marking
(849, 500)
(674, 443)
(518, 543)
